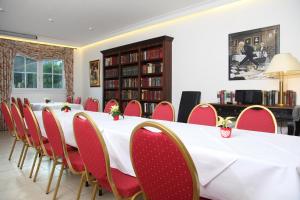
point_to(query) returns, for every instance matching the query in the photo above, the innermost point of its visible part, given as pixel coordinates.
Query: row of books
(129, 58)
(109, 61)
(110, 73)
(130, 94)
(130, 71)
(111, 84)
(154, 53)
(151, 68)
(151, 82)
(226, 97)
(112, 94)
(130, 82)
(151, 95)
(272, 97)
(149, 107)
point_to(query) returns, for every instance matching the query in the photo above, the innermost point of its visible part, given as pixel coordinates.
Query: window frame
(39, 74)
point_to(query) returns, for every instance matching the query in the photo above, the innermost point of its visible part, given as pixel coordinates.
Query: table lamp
(281, 66)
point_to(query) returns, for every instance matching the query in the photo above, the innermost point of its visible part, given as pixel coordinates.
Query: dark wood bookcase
(141, 71)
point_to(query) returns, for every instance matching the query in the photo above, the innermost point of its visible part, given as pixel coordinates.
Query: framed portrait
(250, 52)
(95, 73)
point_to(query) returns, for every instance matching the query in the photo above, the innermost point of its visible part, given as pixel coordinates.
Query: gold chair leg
(33, 164)
(12, 148)
(38, 167)
(24, 156)
(51, 176)
(21, 155)
(95, 188)
(82, 180)
(58, 181)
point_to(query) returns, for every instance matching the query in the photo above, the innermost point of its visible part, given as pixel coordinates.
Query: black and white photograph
(250, 52)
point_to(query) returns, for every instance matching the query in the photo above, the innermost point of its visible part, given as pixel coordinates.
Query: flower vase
(225, 132)
(66, 110)
(116, 117)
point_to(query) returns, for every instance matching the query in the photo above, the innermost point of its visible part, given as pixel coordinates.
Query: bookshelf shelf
(143, 71)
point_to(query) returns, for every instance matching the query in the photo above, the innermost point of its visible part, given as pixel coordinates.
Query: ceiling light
(2, 10)
(91, 28)
(51, 20)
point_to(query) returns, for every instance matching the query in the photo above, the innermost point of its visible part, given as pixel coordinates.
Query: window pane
(31, 65)
(47, 66)
(31, 80)
(57, 66)
(57, 81)
(47, 81)
(19, 80)
(19, 64)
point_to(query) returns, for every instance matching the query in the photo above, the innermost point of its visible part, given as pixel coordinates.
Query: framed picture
(250, 52)
(95, 73)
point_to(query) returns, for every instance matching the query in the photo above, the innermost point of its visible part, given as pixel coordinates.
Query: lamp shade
(284, 64)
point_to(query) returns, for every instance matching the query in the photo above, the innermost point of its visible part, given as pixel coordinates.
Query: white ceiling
(72, 18)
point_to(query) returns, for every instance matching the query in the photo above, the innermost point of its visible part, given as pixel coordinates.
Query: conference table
(248, 166)
(55, 106)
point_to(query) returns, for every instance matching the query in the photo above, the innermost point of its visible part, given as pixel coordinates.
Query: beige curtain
(8, 50)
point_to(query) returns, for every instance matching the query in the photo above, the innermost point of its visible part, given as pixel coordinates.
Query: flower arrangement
(115, 112)
(224, 125)
(66, 108)
(47, 100)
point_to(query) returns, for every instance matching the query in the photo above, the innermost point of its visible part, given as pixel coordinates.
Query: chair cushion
(75, 160)
(48, 148)
(126, 185)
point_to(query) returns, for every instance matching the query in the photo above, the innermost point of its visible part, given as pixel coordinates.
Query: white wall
(200, 47)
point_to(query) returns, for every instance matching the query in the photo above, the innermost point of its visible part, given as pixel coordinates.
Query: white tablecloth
(250, 165)
(54, 106)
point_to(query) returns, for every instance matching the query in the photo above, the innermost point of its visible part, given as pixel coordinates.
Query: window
(53, 74)
(25, 72)
(30, 73)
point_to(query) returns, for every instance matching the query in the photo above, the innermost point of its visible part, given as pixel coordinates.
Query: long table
(249, 166)
(55, 106)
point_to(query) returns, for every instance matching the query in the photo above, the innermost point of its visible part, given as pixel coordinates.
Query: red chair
(257, 118)
(164, 111)
(20, 105)
(203, 114)
(10, 125)
(13, 100)
(92, 105)
(67, 157)
(162, 164)
(87, 101)
(69, 99)
(95, 156)
(26, 101)
(77, 100)
(38, 142)
(21, 133)
(109, 104)
(133, 108)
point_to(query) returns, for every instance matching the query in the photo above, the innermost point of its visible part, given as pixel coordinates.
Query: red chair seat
(75, 160)
(126, 185)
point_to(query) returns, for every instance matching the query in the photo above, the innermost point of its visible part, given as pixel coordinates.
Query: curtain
(8, 50)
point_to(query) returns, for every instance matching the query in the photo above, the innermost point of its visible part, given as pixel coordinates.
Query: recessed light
(51, 20)
(2, 10)
(91, 28)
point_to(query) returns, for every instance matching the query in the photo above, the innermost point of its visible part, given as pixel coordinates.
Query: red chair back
(19, 122)
(20, 105)
(91, 146)
(162, 164)
(257, 118)
(13, 100)
(69, 99)
(53, 132)
(32, 126)
(77, 100)
(7, 117)
(26, 101)
(203, 114)
(109, 104)
(133, 108)
(92, 105)
(164, 111)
